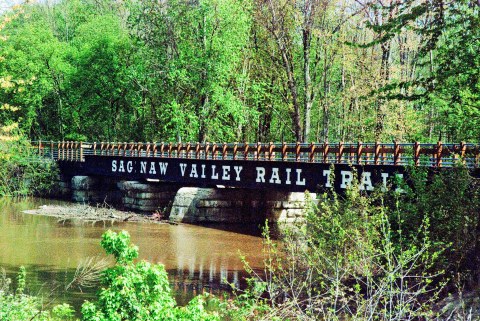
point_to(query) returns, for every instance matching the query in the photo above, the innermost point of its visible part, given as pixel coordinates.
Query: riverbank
(94, 213)
(54, 240)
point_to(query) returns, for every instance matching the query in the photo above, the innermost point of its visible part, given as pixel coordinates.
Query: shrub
(379, 256)
(22, 171)
(346, 262)
(138, 292)
(15, 305)
(450, 200)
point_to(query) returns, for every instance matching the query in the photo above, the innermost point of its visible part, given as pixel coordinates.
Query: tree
(277, 17)
(455, 73)
(100, 89)
(35, 56)
(194, 50)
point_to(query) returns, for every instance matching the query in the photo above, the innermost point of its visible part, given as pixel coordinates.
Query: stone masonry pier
(185, 204)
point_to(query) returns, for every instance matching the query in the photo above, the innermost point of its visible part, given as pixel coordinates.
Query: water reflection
(197, 258)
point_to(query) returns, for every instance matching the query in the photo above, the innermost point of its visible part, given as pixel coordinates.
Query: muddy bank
(93, 213)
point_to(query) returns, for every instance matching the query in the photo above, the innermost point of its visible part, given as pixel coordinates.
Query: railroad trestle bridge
(254, 169)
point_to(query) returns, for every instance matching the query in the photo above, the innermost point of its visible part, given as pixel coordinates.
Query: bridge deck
(397, 154)
(291, 167)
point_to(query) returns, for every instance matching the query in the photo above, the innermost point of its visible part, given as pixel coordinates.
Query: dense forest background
(242, 70)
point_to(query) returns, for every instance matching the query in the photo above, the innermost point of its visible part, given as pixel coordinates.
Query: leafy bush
(380, 256)
(22, 171)
(15, 305)
(450, 200)
(138, 292)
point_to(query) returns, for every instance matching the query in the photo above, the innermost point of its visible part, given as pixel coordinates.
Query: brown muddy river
(197, 258)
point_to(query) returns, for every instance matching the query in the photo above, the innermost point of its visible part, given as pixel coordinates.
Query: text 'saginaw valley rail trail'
(261, 174)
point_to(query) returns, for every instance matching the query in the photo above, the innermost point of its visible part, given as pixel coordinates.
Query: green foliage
(450, 201)
(18, 306)
(138, 292)
(236, 70)
(355, 257)
(457, 87)
(384, 256)
(21, 279)
(63, 312)
(37, 61)
(444, 83)
(22, 172)
(100, 92)
(119, 246)
(196, 49)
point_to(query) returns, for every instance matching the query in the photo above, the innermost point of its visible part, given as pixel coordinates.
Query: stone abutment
(185, 204)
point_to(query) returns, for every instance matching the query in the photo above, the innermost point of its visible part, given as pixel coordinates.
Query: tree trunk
(326, 116)
(292, 86)
(307, 83)
(204, 97)
(280, 32)
(58, 94)
(384, 78)
(202, 135)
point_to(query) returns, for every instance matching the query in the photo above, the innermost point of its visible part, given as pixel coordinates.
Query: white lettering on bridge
(250, 174)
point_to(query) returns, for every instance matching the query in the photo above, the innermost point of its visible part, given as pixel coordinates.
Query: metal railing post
(439, 154)
(359, 152)
(416, 153)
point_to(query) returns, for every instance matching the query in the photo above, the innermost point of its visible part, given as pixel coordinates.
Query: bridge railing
(418, 154)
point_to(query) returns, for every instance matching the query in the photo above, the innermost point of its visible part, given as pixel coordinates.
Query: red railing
(418, 154)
